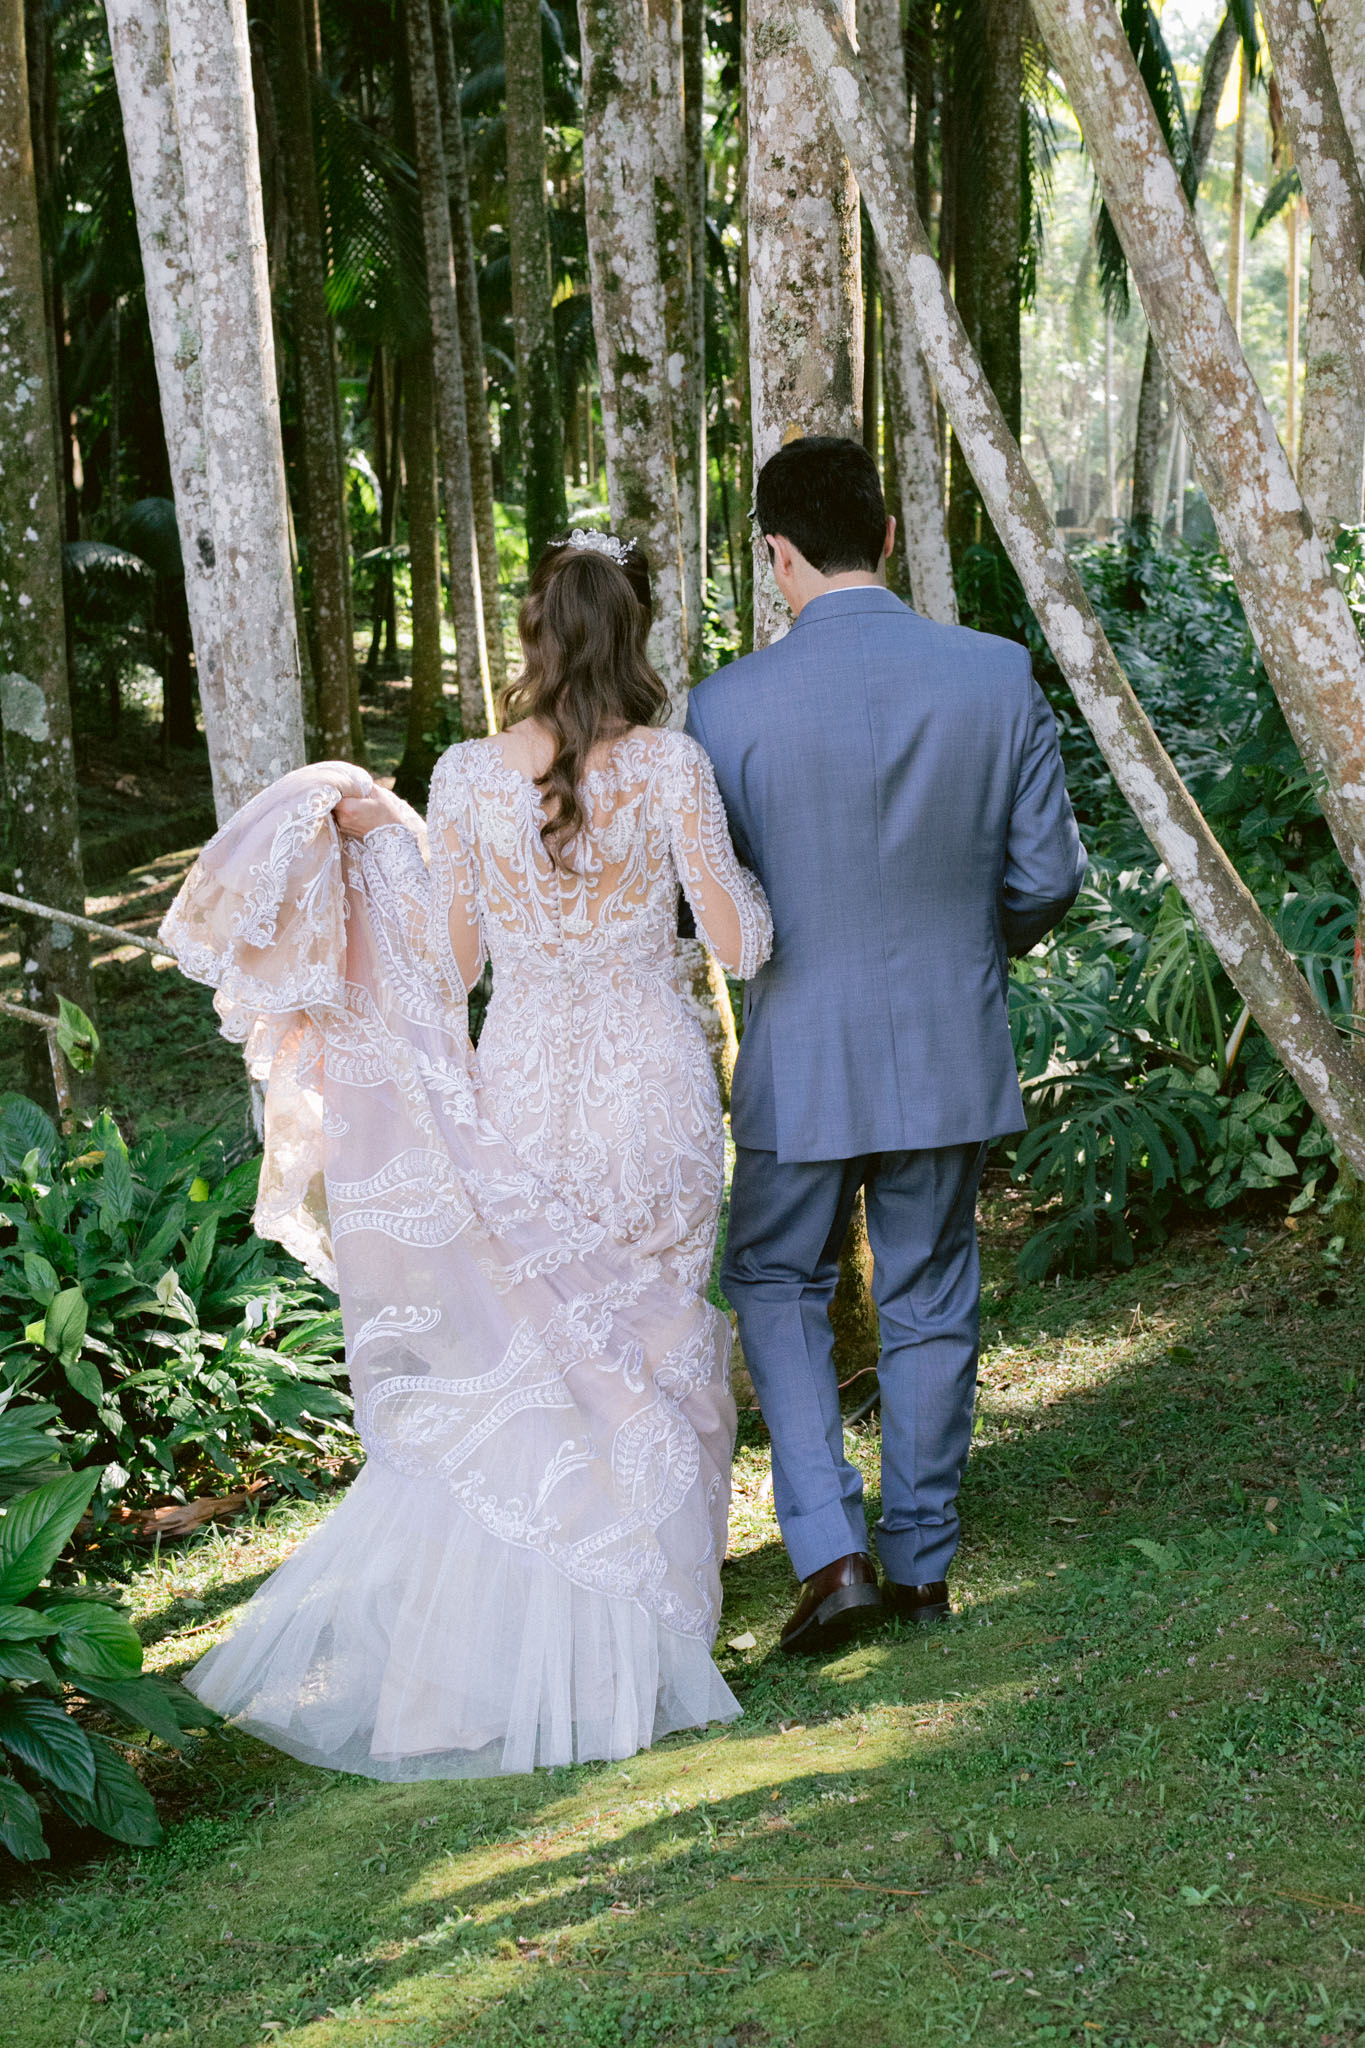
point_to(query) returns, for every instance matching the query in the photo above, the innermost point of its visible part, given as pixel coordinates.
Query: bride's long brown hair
(583, 623)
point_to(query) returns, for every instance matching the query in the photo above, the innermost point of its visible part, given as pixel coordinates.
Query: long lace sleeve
(729, 906)
(454, 939)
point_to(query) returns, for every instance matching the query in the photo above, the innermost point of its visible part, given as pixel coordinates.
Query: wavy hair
(584, 624)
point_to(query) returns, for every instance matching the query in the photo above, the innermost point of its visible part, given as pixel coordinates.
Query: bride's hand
(357, 815)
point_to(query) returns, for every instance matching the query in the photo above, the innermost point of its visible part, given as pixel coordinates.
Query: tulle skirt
(402, 1641)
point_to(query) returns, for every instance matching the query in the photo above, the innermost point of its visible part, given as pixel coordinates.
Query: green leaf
(148, 1703)
(121, 1805)
(85, 1378)
(36, 1528)
(95, 1640)
(25, 1624)
(40, 1277)
(42, 1735)
(22, 1662)
(117, 1200)
(21, 1824)
(65, 1326)
(24, 1129)
(76, 1035)
(199, 1189)
(1165, 1559)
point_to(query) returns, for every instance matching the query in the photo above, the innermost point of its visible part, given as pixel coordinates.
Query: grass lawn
(1117, 1800)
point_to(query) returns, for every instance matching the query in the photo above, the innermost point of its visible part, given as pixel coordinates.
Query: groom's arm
(1044, 857)
(695, 727)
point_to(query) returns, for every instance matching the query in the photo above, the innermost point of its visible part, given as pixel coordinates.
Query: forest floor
(1116, 1800)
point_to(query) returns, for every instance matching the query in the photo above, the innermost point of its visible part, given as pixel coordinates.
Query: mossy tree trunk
(533, 328)
(457, 488)
(674, 207)
(1243, 938)
(35, 702)
(427, 733)
(629, 319)
(1332, 442)
(340, 736)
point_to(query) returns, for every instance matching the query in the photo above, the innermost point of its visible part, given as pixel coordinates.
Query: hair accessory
(599, 544)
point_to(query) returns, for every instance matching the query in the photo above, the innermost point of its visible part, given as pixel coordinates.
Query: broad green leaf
(25, 1130)
(120, 1805)
(42, 1735)
(95, 1640)
(65, 1326)
(22, 1662)
(40, 1277)
(117, 1200)
(143, 1702)
(36, 1528)
(85, 1378)
(76, 1035)
(21, 1824)
(199, 1189)
(25, 1624)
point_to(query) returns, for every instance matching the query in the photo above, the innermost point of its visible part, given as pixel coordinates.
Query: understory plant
(62, 1639)
(177, 1349)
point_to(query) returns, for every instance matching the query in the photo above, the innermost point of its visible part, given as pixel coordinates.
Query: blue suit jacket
(897, 787)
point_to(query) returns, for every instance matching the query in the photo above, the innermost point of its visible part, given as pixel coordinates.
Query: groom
(896, 786)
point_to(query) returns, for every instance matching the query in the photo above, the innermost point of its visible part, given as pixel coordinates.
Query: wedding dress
(526, 1570)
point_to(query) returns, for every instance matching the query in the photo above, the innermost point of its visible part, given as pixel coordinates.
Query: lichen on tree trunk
(1243, 938)
(35, 703)
(805, 281)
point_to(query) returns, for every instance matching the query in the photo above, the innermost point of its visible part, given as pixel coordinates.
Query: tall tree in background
(1332, 442)
(426, 733)
(694, 129)
(457, 489)
(1147, 436)
(35, 706)
(805, 282)
(909, 395)
(471, 343)
(628, 315)
(539, 413)
(324, 461)
(1245, 941)
(998, 275)
(674, 204)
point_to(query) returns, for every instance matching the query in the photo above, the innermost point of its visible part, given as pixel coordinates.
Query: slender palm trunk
(324, 469)
(674, 207)
(1237, 202)
(997, 274)
(427, 733)
(35, 703)
(694, 122)
(457, 490)
(1229, 915)
(471, 345)
(533, 329)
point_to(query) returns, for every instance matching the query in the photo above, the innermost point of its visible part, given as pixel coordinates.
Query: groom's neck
(813, 584)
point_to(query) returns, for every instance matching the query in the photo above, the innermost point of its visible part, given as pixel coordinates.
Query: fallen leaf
(748, 1641)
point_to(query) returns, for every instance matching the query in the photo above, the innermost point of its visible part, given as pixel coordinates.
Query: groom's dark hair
(823, 494)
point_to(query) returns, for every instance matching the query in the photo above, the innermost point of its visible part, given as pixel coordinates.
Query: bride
(527, 1569)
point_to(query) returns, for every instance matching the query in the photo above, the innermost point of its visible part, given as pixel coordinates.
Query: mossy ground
(1118, 1800)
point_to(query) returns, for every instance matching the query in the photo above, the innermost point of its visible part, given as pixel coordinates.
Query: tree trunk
(35, 703)
(192, 151)
(324, 468)
(628, 316)
(743, 380)
(1147, 439)
(138, 38)
(427, 734)
(963, 204)
(1293, 603)
(1291, 377)
(909, 395)
(1323, 151)
(997, 269)
(533, 327)
(1237, 204)
(471, 346)
(694, 124)
(1224, 907)
(673, 230)
(805, 283)
(1332, 441)
(457, 490)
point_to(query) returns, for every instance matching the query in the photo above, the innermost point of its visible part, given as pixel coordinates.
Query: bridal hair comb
(599, 544)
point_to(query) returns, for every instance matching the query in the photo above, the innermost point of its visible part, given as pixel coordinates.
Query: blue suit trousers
(787, 1224)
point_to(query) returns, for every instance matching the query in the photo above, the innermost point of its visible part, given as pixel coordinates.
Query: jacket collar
(838, 604)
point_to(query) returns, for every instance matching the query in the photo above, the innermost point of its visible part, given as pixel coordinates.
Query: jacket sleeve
(1044, 858)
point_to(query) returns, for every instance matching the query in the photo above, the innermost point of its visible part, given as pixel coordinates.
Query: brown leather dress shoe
(835, 1604)
(920, 1604)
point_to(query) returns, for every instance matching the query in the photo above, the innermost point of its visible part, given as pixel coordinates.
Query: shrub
(173, 1344)
(63, 1638)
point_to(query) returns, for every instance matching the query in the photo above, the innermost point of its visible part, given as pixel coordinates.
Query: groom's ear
(890, 541)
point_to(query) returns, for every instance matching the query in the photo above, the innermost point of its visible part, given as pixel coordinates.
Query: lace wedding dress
(526, 1570)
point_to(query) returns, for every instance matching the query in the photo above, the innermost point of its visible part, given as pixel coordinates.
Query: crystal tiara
(599, 544)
